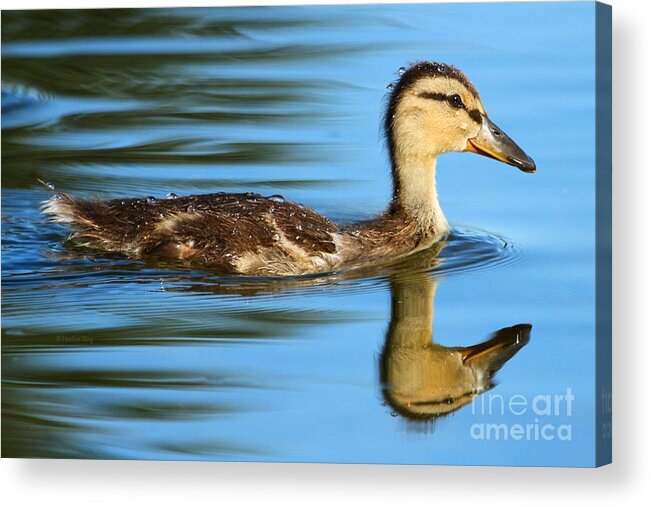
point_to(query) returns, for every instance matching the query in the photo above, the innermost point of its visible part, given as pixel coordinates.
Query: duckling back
(234, 233)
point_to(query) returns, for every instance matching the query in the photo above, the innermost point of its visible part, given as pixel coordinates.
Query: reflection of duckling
(425, 380)
(433, 109)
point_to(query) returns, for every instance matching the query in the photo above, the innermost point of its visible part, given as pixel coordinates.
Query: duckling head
(434, 109)
(425, 381)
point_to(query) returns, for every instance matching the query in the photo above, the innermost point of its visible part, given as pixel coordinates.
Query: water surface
(106, 357)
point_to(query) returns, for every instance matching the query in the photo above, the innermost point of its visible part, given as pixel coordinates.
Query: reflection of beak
(492, 354)
(492, 142)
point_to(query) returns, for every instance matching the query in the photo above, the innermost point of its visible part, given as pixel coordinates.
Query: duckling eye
(455, 100)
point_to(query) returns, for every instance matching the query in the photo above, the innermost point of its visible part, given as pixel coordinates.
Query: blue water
(106, 357)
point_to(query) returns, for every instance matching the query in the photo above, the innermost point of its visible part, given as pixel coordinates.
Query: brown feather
(216, 230)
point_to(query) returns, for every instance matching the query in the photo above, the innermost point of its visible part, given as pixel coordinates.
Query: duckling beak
(494, 143)
(491, 355)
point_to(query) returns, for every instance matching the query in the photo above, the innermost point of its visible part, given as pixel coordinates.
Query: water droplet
(394, 414)
(277, 198)
(298, 237)
(299, 227)
(171, 195)
(390, 86)
(276, 237)
(402, 70)
(49, 185)
(151, 199)
(190, 208)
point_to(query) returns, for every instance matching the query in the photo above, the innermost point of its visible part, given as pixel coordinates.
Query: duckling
(432, 109)
(423, 380)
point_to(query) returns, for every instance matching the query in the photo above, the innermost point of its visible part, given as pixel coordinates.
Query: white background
(627, 481)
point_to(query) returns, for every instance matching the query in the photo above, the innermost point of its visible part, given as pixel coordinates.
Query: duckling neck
(414, 180)
(412, 312)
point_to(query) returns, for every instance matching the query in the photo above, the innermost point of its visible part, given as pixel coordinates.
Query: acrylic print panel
(250, 327)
